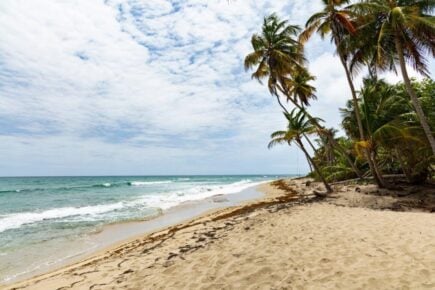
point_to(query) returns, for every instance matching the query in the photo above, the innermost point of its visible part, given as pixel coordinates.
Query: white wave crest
(16, 220)
(144, 183)
(171, 199)
(162, 200)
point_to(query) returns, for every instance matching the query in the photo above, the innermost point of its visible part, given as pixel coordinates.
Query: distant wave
(107, 184)
(102, 185)
(78, 187)
(21, 190)
(137, 183)
(144, 183)
(16, 220)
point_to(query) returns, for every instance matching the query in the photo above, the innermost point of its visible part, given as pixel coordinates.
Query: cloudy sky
(92, 87)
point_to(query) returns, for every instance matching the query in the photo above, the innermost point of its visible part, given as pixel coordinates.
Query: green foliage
(382, 22)
(278, 57)
(391, 133)
(392, 128)
(298, 125)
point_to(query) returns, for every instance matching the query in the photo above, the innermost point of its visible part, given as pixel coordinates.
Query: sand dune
(290, 245)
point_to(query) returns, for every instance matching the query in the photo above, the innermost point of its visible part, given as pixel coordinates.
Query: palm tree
(332, 163)
(391, 127)
(328, 151)
(404, 32)
(337, 22)
(279, 57)
(299, 87)
(298, 125)
(375, 95)
(276, 54)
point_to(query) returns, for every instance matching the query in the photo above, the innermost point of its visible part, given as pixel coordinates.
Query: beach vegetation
(278, 57)
(386, 128)
(298, 126)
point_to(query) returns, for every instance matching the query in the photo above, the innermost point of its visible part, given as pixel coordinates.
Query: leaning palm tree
(298, 125)
(277, 57)
(404, 31)
(337, 23)
(276, 54)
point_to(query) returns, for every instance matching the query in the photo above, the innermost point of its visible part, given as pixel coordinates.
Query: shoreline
(117, 234)
(289, 238)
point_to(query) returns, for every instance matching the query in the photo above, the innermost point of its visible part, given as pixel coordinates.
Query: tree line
(388, 127)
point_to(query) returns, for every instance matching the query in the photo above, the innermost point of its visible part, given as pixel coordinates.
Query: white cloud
(151, 86)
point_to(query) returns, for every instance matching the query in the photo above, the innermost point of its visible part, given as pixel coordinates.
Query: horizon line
(155, 175)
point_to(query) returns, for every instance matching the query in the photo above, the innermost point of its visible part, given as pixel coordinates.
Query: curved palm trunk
(413, 96)
(310, 143)
(373, 168)
(332, 141)
(310, 160)
(354, 97)
(376, 167)
(281, 105)
(312, 146)
(311, 167)
(285, 110)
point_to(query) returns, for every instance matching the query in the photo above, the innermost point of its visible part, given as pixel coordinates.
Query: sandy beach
(356, 239)
(247, 144)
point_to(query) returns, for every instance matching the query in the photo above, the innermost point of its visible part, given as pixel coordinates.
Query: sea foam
(144, 183)
(174, 198)
(158, 200)
(16, 220)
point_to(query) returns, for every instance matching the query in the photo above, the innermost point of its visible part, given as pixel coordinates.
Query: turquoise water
(40, 215)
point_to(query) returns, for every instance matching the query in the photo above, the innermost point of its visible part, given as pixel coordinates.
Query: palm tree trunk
(413, 96)
(281, 105)
(310, 143)
(310, 160)
(373, 169)
(332, 141)
(354, 98)
(311, 167)
(375, 166)
(285, 110)
(312, 147)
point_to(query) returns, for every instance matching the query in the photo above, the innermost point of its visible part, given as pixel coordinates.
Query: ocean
(45, 220)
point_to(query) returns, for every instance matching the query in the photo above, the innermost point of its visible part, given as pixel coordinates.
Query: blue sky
(146, 87)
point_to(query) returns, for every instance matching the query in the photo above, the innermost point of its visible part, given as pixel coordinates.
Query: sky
(151, 87)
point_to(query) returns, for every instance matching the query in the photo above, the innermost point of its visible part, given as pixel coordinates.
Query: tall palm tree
(298, 125)
(337, 22)
(278, 56)
(404, 32)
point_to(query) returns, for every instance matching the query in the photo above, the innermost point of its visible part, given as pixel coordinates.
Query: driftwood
(320, 194)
